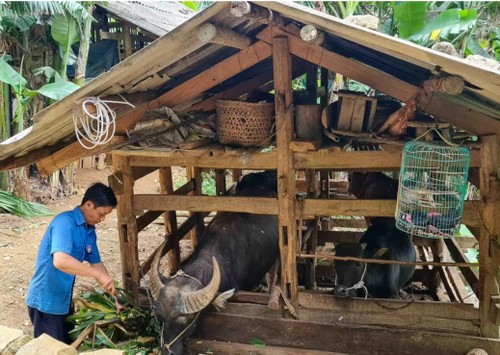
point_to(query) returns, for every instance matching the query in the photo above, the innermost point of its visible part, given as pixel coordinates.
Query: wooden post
(220, 182)
(128, 43)
(282, 70)
(236, 175)
(312, 243)
(170, 220)
(195, 173)
(490, 232)
(127, 225)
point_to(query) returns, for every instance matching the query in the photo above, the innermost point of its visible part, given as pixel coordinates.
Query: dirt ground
(20, 238)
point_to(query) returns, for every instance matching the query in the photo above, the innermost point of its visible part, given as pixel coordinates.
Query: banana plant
(55, 90)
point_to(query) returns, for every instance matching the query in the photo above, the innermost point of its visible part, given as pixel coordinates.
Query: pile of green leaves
(19, 207)
(134, 330)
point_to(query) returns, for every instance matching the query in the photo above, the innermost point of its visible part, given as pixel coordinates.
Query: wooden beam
(127, 227)
(223, 36)
(490, 231)
(72, 152)
(236, 91)
(326, 302)
(282, 71)
(370, 208)
(470, 275)
(170, 217)
(202, 346)
(163, 202)
(140, 172)
(389, 158)
(457, 115)
(394, 320)
(341, 337)
(215, 156)
(193, 87)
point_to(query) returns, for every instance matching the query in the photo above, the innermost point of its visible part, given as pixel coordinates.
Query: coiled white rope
(97, 125)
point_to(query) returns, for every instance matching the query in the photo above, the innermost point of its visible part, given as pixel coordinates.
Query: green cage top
(432, 189)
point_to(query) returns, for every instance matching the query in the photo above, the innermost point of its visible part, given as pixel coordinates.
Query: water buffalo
(372, 185)
(384, 241)
(235, 252)
(267, 179)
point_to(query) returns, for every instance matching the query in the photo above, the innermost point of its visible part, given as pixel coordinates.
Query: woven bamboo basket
(244, 123)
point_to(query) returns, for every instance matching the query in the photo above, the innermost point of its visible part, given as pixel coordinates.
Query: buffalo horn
(197, 300)
(154, 277)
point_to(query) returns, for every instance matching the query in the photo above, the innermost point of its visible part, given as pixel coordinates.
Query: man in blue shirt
(69, 240)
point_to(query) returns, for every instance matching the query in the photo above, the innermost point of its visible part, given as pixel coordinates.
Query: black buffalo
(267, 179)
(382, 240)
(235, 253)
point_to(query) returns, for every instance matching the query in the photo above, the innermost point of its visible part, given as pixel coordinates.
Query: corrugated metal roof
(181, 55)
(157, 17)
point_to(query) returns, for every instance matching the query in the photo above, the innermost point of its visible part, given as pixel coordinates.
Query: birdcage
(432, 189)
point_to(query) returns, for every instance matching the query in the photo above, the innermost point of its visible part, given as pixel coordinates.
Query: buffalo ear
(220, 301)
(380, 252)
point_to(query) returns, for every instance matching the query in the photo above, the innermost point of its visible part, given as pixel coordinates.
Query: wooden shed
(229, 51)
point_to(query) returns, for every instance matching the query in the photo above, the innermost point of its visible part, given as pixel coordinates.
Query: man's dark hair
(100, 195)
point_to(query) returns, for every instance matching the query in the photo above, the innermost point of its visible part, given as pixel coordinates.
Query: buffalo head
(178, 301)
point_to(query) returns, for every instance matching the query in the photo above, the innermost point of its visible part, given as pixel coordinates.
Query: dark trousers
(51, 324)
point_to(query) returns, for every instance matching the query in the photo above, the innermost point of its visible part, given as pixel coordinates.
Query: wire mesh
(432, 189)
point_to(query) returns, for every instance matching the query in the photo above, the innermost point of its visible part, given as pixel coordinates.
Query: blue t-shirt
(50, 289)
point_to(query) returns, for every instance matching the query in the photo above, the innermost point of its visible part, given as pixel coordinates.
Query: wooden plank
(459, 311)
(341, 337)
(458, 115)
(72, 152)
(146, 219)
(371, 208)
(127, 228)
(282, 71)
(358, 114)
(163, 202)
(202, 346)
(140, 172)
(389, 158)
(327, 302)
(213, 156)
(311, 207)
(346, 112)
(471, 275)
(390, 318)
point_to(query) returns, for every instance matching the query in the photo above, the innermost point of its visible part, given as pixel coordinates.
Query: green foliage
(190, 5)
(409, 17)
(19, 207)
(449, 23)
(24, 95)
(65, 32)
(257, 343)
(495, 42)
(208, 184)
(97, 306)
